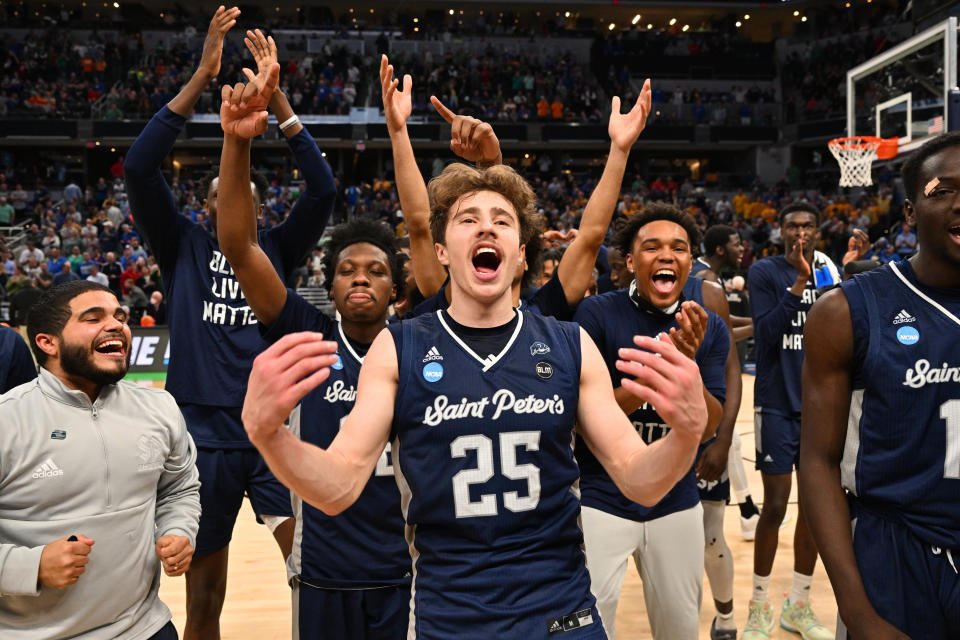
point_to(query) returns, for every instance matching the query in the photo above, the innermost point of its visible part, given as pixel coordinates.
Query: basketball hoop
(856, 155)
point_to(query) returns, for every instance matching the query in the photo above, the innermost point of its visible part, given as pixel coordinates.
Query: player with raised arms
(350, 573)
(213, 331)
(475, 141)
(880, 447)
(479, 403)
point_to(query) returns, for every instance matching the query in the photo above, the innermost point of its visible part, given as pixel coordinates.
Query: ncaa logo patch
(338, 364)
(908, 335)
(432, 371)
(544, 370)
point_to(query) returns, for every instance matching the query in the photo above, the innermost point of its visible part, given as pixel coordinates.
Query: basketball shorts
(226, 475)
(778, 442)
(716, 490)
(913, 586)
(358, 614)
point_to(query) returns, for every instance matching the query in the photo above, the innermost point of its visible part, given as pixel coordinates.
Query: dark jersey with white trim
(548, 300)
(778, 319)
(484, 459)
(612, 319)
(902, 452)
(362, 547)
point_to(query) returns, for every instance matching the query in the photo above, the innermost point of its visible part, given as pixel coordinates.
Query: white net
(855, 156)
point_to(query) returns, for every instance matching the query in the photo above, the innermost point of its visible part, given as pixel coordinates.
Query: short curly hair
(362, 230)
(653, 212)
(459, 179)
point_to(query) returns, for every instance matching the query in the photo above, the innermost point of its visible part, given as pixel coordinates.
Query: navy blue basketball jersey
(362, 547)
(484, 460)
(698, 265)
(778, 319)
(902, 452)
(548, 300)
(612, 319)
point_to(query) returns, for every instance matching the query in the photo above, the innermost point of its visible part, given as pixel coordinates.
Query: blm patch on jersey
(575, 620)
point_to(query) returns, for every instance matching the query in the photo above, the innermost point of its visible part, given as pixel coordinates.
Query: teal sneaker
(798, 617)
(759, 621)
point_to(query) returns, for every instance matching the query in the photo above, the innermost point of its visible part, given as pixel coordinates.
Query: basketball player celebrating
(480, 401)
(476, 141)
(783, 288)
(666, 539)
(723, 249)
(213, 330)
(881, 423)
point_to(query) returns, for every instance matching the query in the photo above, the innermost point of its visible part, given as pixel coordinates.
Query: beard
(76, 361)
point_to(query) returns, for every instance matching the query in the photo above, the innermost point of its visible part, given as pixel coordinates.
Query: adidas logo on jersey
(432, 355)
(903, 316)
(47, 469)
(768, 458)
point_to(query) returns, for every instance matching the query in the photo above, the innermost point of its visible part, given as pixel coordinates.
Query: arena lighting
(416, 19)
(451, 11)
(803, 19)
(612, 26)
(636, 19)
(796, 13)
(739, 24)
(566, 14)
(116, 5)
(673, 21)
(746, 16)
(686, 27)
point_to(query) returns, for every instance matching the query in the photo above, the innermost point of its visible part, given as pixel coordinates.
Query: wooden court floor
(258, 600)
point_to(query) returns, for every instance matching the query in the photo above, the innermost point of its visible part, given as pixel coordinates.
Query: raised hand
(857, 246)
(625, 128)
(263, 49)
(397, 105)
(281, 376)
(62, 562)
(223, 20)
(470, 138)
(668, 380)
(798, 261)
(175, 552)
(692, 321)
(243, 111)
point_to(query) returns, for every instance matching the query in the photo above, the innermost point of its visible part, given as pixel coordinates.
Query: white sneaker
(748, 526)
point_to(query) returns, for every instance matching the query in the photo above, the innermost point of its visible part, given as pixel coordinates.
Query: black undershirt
(360, 347)
(485, 341)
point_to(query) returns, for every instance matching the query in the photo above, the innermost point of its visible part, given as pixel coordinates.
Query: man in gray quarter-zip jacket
(98, 482)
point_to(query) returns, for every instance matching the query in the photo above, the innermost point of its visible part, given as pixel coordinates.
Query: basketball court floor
(258, 599)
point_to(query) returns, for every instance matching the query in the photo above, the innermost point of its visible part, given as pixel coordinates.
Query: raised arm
(773, 308)
(209, 67)
(827, 366)
(411, 189)
(576, 267)
(299, 233)
(666, 379)
(151, 200)
(330, 479)
(242, 120)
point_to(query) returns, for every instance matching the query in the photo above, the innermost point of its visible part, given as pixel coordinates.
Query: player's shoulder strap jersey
(902, 451)
(699, 265)
(484, 459)
(611, 320)
(362, 547)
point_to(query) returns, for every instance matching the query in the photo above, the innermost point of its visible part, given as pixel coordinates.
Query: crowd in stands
(86, 232)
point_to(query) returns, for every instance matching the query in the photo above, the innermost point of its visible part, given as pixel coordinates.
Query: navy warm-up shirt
(363, 547)
(16, 363)
(778, 319)
(611, 320)
(213, 332)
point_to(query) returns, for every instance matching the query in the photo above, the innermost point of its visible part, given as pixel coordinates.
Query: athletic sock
(761, 588)
(747, 508)
(800, 590)
(726, 621)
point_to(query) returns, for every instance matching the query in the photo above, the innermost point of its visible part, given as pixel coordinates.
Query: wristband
(289, 122)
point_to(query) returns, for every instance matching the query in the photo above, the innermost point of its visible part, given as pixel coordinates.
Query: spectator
(66, 275)
(906, 241)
